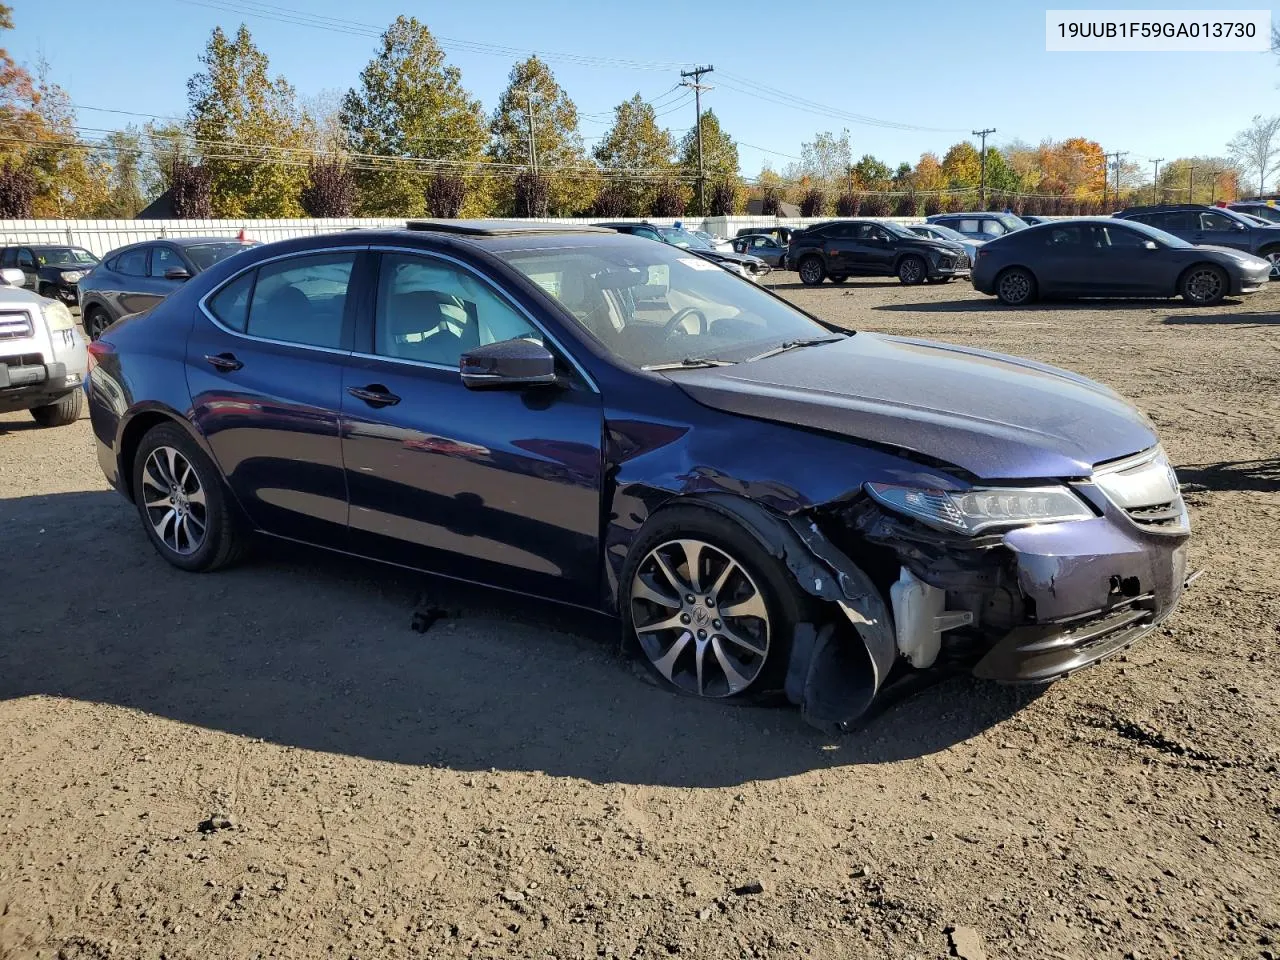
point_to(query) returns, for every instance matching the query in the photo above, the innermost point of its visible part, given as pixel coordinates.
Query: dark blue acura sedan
(767, 503)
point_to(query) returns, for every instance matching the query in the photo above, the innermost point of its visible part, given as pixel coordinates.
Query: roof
(499, 228)
(1161, 207)
(969, 213)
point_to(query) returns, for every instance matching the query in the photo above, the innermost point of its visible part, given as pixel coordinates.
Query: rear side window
(993, 228)
(132, 263)
(231, 304)
(969, 225)
(302, 300)
(1177, 221)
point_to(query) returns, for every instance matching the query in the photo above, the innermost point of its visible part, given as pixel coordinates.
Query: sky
(947, 67)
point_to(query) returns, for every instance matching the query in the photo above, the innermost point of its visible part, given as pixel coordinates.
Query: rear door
(132, 289)
(1068, 261)
(265, 362)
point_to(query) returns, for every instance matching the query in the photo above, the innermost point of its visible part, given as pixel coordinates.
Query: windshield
(205, 255)
(651, 304)
(64, 256)
(897, 230)
(683, 238)
(941, 231)
(1261, 213)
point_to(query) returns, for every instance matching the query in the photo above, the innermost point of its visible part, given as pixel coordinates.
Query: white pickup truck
(43, 355)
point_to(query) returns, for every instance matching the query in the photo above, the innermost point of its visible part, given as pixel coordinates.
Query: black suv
(841, 248)
(1211, 227)
(51, 270)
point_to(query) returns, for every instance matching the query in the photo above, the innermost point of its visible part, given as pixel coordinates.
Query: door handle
(223, 361)
(375, 395)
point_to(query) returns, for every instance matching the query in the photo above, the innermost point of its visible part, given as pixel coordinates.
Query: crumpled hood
(996, 416)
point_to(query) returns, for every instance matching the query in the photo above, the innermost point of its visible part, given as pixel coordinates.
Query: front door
(494, 486)
(1219, 230)
(265, 374)
(1125, 265)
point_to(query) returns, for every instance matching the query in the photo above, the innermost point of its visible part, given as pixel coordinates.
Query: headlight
(72, 276)
(57, 316)
(972, 511)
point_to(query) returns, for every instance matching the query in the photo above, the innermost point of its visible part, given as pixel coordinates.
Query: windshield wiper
(792, 345)
(688, 362)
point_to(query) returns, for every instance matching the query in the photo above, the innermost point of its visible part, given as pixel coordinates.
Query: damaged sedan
(766, 503)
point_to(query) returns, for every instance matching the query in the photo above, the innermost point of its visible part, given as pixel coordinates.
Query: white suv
(43, 356)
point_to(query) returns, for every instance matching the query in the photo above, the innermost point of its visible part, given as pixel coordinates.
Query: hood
(995, 416)
(726, 256)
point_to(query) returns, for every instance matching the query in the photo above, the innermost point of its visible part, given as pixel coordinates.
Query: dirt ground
(505, 785)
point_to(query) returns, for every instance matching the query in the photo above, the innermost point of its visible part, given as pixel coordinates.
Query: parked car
(716, 243)
(1211, 226)
(1031, 219)
(42, 354)
(839, 249)
(490, 401)
(1257, 208)
(781, 234)
(936, 231)
(979, 226)
(745, 265)
(765, 247)
(137, 277)
(1106, 257)
(51, 270)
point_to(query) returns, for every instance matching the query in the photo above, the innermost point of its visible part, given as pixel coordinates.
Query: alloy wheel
(1205, 285)
(1015, 287)
(1274, 258)
(175, 501)
(98, 324)
(700, 618)
(811, 271)
(910, 271)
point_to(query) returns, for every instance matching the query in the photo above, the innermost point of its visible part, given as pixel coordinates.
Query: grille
(24, 360)
(1145, 487)
(1158, 515)
(962, 261)
(15, 326)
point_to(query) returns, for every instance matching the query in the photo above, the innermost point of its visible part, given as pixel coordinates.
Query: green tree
(124, 157)
(871, 173)
(962, 165)
(245, 124)
(534, 98)
(1001, 178)
(635, 154)
(410, 105)
(826, 161)
(719, 159)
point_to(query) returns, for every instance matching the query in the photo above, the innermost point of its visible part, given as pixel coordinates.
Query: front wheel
(912, 271)
(1272, 255)
(711, 612)
(182, 502)
(62, 412)
(1204, 285)
(1016, 287)
(812, 272)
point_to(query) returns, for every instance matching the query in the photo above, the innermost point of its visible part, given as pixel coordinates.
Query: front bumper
(27, 385)
(1250, 281)
(958, 266)
(68, 293)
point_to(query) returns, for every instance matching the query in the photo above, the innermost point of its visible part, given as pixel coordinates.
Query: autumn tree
(928, 176)
(17, 191)
(330, 190)
(719, 158)
(122, 155)
(813, 203)
(533, 100)
(826, 161)
(191, 190)
(446, 194)
(633, 151)
(1198, 180)
(724, 199)
(671, 199)
(1255, 148)
(409, 104)
(962, 165)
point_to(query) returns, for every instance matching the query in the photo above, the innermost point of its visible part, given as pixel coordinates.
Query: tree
(928, 177)
(1001, 178)
(962, 165)
(1256, 146)
(813, 203)
(633, 152)
(669, 200)
(826, 161)
(906, 206)
(445, 194)
(876, 206)
(872, 174)
(330, 189)
(17, 192)
(769, 202)
(410, 105)
(848, 204)
(559, 149)
(192, 191)
(123, 156)
(531, 195)
(611, 201)
(1198, 180)
(724, 199)
(719, 156)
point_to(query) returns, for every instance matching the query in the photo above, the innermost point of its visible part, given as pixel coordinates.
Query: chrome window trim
(506, 297)
(203, 304)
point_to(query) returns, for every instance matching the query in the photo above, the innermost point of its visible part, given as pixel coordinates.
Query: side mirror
(177, 273)
(1240, 227)
(12, 277)
(508, 365)
(1150, 245)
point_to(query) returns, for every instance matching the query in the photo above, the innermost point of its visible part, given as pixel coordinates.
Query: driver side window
(431, 311)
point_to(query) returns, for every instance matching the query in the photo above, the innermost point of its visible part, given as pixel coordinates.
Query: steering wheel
(674, 323)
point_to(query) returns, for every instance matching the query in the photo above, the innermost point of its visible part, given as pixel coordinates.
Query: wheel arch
(136, 426)
(1177, 284)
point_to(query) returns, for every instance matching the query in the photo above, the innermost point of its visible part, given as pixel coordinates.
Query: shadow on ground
(1246, 319)
(309, 649)
(991, 304)
(1261, 476)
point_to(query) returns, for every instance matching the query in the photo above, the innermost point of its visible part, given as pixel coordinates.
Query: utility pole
(1213, 185)
(696, 73)
(1191, 181)
(982, 189)
(1155, 180)
(1107, 156)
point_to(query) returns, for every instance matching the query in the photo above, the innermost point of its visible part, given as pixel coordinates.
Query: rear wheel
(96, 322)
(182, 502)
(1273, 255)
(710, 611)
(912, 270)
(63, 411)
(1016, 287)
(1204, 285)
(812, 272)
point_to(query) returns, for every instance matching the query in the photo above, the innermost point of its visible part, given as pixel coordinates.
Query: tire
(812, 270)
(96, 321)
(912, 270)
(1016, 287)
(62, 412)
(1204, 285)
(1272, 254)
(838, 278)
(752, 664)
(223, 541)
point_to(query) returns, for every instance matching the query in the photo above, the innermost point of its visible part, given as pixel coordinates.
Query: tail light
(97, 350)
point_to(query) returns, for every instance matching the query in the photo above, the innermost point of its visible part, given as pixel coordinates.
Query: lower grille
(24, 360)
(1157, 515)
(15, 326)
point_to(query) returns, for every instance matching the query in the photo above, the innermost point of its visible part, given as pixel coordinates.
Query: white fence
(100, 236)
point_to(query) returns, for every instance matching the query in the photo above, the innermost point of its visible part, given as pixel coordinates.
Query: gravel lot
(505, 785)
